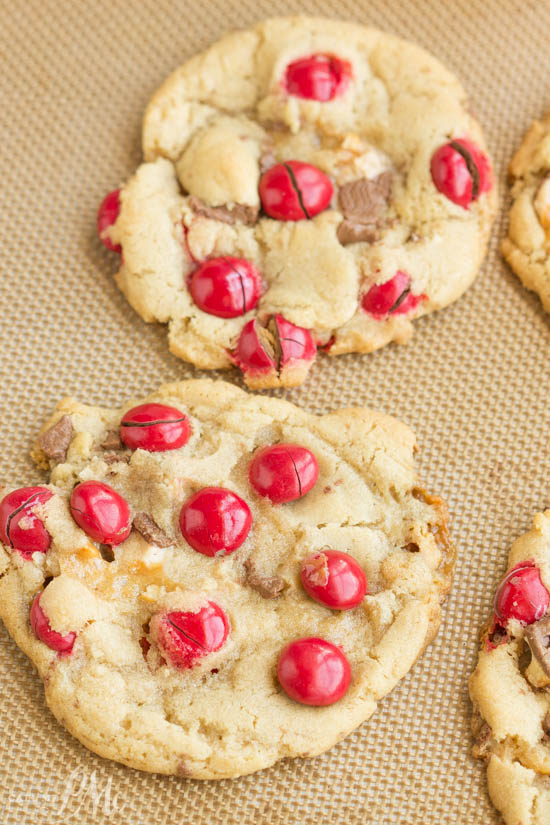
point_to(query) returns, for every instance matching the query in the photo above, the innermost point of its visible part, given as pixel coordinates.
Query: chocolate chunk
(112, 441)
(107, 552)
(114, 458)
(363, 203)
(411, 547)
(482, 742)
(55, 441)
(150, 530)
(538, 636)
(267, 587)
(349, 232)
(240, 212)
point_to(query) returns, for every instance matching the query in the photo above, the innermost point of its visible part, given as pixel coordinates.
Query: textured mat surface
(473, 383)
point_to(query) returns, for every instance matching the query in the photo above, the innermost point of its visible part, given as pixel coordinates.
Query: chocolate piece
(482, 742)
(55, 441)
(151, 532)
(363, 204)
(107, 552)
(268, 587)
(112, 441)
(349, 232)
(114, 458)
(538, 636)
(239, 213)
(411, 547)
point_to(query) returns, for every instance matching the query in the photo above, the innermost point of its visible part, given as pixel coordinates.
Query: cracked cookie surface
(510, 687)
(235, 124)
(100, 632)
(527, 246)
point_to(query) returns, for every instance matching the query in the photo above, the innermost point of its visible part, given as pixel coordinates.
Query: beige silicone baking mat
(474, 384)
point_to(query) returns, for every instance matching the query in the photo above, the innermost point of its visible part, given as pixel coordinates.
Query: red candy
(294, 190)
(106, 217)
(314, 672)
(521, 595)
(184, 638)
(226, 287)
(318, 77)
(283, 472)
(42, 630)
(256, 354)
(394, 297)
(461, 171)
(215, 521)
(334, 579)
(20, 528)
(155, 428)
(101, 512)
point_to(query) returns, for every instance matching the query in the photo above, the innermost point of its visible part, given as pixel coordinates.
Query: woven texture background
(473, 384)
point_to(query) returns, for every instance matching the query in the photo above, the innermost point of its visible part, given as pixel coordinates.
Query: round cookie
(213, 581)
(510, 687)
(338, 161)
(527, 246)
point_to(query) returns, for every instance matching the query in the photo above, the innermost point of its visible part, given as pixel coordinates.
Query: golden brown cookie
(212, 581)
(307, 184)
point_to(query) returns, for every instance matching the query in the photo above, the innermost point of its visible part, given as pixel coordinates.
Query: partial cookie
(510, 687)
(307, 184)
(527, 247)
(213, 581)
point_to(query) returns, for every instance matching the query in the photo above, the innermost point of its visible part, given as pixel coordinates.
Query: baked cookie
(510, 687)
(212, 581)
(527, 246)
(307, 184)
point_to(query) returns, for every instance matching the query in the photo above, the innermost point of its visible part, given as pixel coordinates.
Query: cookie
(527, 246)
(308, 184)
(212, 581)
(510, 687)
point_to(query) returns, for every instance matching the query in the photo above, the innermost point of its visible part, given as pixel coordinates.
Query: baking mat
(473, 383)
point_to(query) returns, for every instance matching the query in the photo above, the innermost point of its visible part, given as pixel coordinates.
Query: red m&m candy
(215, 521)
(101, 512)
(334, 579)
(184, 637)
(20, 527)
(155, 428)
(283, 472)
(314, 672)
(318, 77)
(294, 190)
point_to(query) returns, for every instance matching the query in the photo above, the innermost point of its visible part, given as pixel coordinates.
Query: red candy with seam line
(43, 631)
(283, 472)
(313, 671)
(183, 638)
(20, 527)
(226, 287)
(155, 428)
(252, 356)
(101, 512)
(215, 521)
(107, 215)
(293, 190)
(521, 595)
(334, 579)
(461, 171)
(393, 297)
(317, 77)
